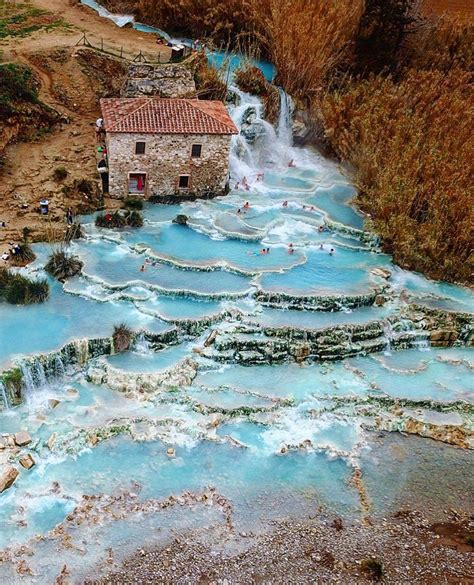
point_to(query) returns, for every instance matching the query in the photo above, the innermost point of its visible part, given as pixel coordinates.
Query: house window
(196, 151)
(139, 148)
(137, 183)
(183, 182)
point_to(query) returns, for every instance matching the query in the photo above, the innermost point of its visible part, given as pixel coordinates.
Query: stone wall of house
(167, 81)
(166, 157)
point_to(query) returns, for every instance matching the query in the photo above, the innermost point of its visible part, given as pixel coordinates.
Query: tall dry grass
(308, 39)
(411, 146)
(442, 43)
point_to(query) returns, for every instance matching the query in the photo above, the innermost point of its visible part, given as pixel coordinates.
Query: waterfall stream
(4, 396)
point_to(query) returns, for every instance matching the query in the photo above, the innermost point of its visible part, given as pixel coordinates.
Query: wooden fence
(160, 57)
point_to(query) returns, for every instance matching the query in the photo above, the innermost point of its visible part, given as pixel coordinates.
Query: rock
(7, 477)
(93, 440)
(170, 452)
(27, 461)
(210, 338)
(51, 441)
(52, 403)
(22, 438)
(382, 272)
(181, 219)
(379, 300)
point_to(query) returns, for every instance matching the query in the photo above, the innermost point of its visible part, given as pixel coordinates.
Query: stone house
(159, 146)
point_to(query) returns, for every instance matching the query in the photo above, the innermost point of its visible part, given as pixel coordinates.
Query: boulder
(51, 441)
(52, 403)
(7, 477)
(22, 438)
(27, 461)
(382, 272)
(181, 219)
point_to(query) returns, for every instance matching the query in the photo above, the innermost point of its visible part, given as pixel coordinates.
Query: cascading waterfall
(388, 334)
(4, 396)
(141, 345)
(285, 130)
(259, 146)
(420, 338)
(38, 372)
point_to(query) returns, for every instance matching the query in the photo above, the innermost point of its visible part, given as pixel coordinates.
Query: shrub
(110, 220)
(134, 219)
(133, 203)
(373, 569)
(73, 232)
(210, 84)
(119, 219)
(251, 80)
(24, 255)
(122, 337)
(20, 290)
(62, 265)
(60, 173)
(16, 83)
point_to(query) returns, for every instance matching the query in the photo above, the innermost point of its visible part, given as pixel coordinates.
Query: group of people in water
(147, 263)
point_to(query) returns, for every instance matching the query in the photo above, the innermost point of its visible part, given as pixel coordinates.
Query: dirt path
(83, 20)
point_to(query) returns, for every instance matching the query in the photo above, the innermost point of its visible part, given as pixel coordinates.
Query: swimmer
(142, 268)
(245, 183)
(246, 205)
(285, 203)
(321, 229)
(260, 177)
(321, 247)
(291, 250)
(263, 251)
(331, 252)
(237, 185)
(238, 210)
(267, 251)
(291, 164)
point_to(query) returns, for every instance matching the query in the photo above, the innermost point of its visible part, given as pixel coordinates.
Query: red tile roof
(166, 116)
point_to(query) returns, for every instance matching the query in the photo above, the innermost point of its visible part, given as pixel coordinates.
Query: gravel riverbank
(404, 548)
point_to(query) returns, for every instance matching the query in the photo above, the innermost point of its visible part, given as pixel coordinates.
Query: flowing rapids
(257, 386)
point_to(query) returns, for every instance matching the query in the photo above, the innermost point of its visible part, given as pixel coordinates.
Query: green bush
(60, 173)
(16, 84)
(62, 265)
(133, 203)
(119, 219)
(134, 219)
(20, 290)
(23, 256)
(373, 569)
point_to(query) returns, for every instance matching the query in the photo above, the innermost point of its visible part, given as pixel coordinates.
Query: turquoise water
(276, 440)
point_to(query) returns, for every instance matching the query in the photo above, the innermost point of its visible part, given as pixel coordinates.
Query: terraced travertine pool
(313, 356)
